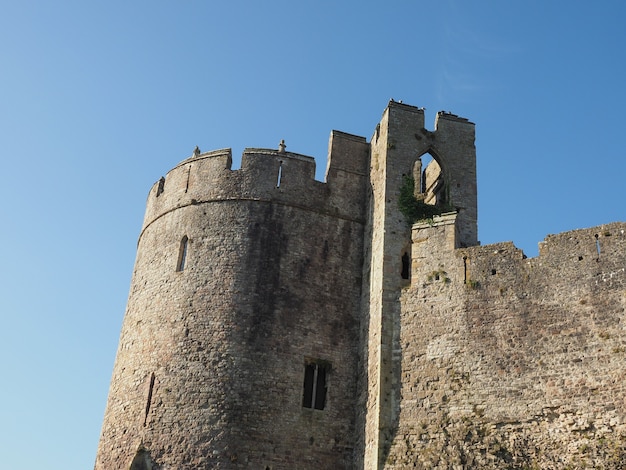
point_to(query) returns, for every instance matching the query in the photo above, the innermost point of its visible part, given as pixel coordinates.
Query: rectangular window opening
(315, 385)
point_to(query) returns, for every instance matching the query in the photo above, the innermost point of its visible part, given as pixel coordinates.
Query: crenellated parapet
(584, 257)
(269, 175)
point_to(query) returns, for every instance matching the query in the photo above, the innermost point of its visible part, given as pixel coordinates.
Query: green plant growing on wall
(439, 275)
(414, 209)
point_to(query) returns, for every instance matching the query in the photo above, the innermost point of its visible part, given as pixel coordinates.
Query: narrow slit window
(161, 186)
(598, 244)
(149, 401)
(315, 385)
(188, 176)
(182, 254)
(406, 261)
(280, 174)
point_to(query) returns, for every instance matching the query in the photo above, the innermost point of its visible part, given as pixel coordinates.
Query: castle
(279, 322)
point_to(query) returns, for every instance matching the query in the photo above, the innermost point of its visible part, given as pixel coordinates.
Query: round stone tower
(240, 341)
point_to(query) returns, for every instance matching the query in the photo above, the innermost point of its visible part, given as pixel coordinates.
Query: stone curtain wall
(510, 362)
(479, 358)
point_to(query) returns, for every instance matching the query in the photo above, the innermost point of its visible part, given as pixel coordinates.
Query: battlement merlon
(347, 153)
(417, 113)
(449, 126)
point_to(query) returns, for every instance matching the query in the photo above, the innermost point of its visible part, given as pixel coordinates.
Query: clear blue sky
(99, 99)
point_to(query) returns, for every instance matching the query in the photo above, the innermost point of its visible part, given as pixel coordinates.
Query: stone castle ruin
(279, 322)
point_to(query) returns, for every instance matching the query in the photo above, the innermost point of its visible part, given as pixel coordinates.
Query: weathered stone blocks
(257, 287)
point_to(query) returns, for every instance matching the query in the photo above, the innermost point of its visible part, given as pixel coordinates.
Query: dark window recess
(142, 461)
(406, 272)
(315, 385)
(161, 186)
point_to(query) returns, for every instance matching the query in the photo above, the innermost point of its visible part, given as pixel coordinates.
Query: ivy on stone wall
(412, 208)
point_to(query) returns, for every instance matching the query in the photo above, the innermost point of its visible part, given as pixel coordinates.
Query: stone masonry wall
(510, 362)
(479, 358)
(398, 142)
(210, 366)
